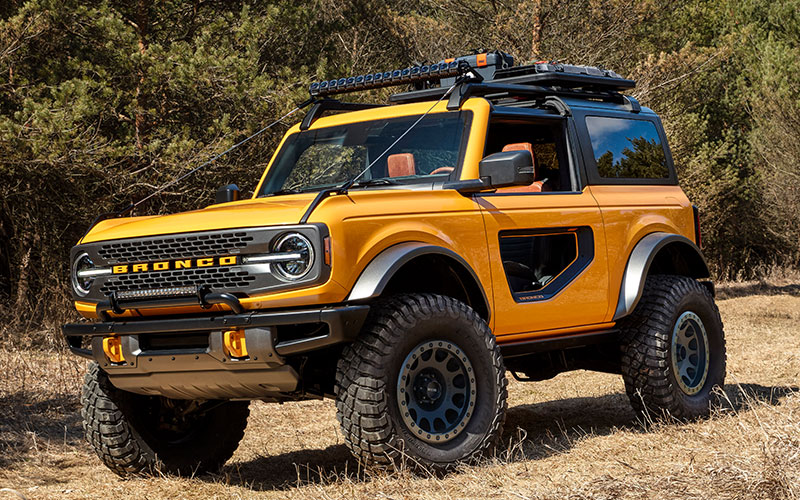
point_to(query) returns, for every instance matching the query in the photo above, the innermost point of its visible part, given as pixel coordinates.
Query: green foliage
(322, 164)
(645, 161)
(103, 100)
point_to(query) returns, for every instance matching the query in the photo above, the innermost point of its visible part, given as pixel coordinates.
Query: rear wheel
(673, 350)
(135, 434)
(424, 379)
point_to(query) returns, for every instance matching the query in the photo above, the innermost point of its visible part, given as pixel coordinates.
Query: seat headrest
(519, 146)
(401, 165)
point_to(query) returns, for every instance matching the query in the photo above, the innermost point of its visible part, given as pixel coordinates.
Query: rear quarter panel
(632, 211)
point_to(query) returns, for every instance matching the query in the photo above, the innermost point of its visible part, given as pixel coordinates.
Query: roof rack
(535, 80)
(490, 75)
(565, 76)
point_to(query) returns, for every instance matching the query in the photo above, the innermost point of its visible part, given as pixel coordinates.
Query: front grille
(174, 247)
(162, 253)
(214, 278)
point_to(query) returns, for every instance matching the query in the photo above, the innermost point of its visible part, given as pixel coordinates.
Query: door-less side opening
(545, 138)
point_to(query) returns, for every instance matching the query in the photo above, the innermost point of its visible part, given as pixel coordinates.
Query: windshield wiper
(285, 191)
(366, 183)
(375, 182)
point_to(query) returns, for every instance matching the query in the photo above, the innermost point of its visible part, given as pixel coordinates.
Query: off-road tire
(112, 422)
(367, 383)
(650, 380)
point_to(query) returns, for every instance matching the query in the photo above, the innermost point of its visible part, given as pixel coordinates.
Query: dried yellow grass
(571, 437)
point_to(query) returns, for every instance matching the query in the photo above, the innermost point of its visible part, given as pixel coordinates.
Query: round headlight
(294, 269)
(81, 285)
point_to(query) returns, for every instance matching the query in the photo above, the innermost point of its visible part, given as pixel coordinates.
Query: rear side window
(627, 149)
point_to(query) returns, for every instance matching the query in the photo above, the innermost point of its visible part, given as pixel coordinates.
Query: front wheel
(424, 379)
(135, 434)
(673, 349)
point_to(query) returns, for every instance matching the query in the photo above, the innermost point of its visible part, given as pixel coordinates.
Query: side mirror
(509, 168)
(227, 193)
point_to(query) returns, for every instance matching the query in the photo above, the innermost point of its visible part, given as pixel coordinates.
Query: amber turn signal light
(326, 245)
(112, 346)
(235, 344)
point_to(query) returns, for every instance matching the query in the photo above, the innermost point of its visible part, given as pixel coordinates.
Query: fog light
(112, 346)
(235, 344)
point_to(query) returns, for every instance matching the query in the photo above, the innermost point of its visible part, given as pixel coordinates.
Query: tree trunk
(536, 31)
(143, 28)
(23, 282)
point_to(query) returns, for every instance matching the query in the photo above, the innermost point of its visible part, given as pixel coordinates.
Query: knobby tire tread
(109, 432)
(646, 342)
(362, 395)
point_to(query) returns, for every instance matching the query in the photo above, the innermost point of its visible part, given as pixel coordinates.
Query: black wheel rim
(436, 391)
(690, 354)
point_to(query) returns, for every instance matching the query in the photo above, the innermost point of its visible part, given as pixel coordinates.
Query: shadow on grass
(532, 432)
(552, 427)
(292, 469)
(27, 422)
(736, 290)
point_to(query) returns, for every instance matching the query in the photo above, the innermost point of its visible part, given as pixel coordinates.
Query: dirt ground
(571, 437)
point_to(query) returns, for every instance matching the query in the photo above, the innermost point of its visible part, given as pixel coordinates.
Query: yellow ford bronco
(401, 259)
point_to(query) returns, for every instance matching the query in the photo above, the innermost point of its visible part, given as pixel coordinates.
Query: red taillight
(697, 236)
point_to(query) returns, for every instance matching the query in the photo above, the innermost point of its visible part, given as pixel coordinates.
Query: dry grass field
(571, 437)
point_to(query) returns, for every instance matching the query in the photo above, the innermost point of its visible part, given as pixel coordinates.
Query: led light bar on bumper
(158, 293)
(244, 262)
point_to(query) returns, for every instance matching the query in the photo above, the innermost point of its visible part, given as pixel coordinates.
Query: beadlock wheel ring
(690, 353)
(436, 391)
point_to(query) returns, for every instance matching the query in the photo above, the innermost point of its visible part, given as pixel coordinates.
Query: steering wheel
(442, 170)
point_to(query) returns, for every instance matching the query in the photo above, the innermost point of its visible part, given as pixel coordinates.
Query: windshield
(317, 159)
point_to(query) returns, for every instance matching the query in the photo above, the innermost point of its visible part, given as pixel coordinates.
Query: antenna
(129, 208)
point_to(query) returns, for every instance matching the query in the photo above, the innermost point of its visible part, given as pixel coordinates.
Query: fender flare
(377, 274)
(642, 257)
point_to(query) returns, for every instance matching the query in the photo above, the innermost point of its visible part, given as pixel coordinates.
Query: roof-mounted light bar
(413, 74)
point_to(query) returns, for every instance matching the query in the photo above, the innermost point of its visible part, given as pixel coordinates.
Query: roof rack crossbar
(483, 89)
(493, 91)
(321, 106)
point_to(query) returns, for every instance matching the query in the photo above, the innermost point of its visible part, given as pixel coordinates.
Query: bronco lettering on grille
(167, 265)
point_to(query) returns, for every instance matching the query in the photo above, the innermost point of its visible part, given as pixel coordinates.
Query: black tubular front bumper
(209, 372)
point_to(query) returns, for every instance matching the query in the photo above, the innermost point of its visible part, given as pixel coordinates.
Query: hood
(243, 213)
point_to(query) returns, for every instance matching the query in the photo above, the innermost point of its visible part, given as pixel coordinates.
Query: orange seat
(401, 165)
(538, 185)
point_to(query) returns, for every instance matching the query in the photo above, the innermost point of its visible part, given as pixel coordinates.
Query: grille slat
(174, 247)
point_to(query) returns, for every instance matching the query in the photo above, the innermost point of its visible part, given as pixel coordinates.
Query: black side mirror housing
(509, 168)
(227, 193)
